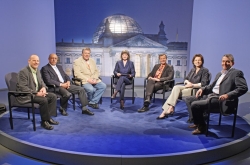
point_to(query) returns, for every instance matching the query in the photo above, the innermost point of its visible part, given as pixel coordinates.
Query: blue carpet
(117, 132)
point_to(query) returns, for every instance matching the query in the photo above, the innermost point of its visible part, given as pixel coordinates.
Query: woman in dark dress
(124, 71)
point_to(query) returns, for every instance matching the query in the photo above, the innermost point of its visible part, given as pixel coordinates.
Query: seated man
(29, 80)
(54, 74)
(228, 84)
(160, 73)
(85, 68)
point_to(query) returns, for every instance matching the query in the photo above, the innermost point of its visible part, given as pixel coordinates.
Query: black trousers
(151, 87)
(47, 105)
(197, 106)
(66, 93)
(120, 85)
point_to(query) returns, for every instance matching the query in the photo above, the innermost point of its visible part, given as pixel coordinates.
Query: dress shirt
(216, 88)
(58, 73)
(34, 76)
(159, 71)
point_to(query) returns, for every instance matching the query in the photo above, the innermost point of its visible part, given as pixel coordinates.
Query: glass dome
(119, 23)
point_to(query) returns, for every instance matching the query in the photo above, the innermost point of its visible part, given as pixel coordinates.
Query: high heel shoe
(165, 116)
(122, 104)
(170, 113)
(114, 95)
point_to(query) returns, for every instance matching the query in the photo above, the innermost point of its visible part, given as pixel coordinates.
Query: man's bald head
(34, 61)
(53, 59)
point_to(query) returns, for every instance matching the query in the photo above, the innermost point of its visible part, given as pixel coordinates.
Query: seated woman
(197, 77)
(125, 71)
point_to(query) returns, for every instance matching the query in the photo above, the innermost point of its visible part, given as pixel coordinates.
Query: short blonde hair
(87, 48)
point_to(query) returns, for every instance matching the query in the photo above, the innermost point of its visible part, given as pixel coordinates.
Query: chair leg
(208, 118)
(154, 98)
(33, 117)
(163, 100)
(111, 93)
(234, 123)
(74, 101)
(220, 119)
(133, 97)
(28, 113)
(11, 119)
(100, 100)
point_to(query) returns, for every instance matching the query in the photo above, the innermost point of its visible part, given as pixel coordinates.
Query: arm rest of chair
(15, 93)
(78, 80)
(179, 83)
(169, 82)
(52, 86)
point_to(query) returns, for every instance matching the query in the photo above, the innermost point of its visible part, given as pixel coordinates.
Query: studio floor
(117, 132)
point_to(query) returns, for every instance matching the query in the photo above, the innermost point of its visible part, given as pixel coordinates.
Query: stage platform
(117, 137)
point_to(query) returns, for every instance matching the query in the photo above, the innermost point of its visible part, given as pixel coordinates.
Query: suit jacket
(84, 71)
(50, 77)
(167, 73)
(233, 84)
(26, 83)
(202, 76)
(127, 69)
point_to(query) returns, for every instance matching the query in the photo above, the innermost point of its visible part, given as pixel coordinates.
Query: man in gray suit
(229, 84)
(29, 80)
(54, 74)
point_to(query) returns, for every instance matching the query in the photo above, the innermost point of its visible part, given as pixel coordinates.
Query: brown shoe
(197, 132)
(200, 130)
(193, 126)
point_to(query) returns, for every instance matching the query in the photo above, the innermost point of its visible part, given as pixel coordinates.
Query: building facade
(117, 33)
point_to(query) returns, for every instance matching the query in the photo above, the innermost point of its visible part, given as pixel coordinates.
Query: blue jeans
(94, 91)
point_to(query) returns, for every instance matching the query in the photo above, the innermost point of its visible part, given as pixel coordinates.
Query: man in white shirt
(228, 84)
(54, 74)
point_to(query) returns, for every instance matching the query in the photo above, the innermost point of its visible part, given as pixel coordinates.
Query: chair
(114, 80)
(167, 86)
(11, 81)
(78, 81)
(231, 104)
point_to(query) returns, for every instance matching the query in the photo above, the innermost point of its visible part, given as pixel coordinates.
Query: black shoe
(190, 121)
(143, 109)
(88, 112)
(53, 122)
(159, 118)
(63, 111)
(46, 125)
(95, 106)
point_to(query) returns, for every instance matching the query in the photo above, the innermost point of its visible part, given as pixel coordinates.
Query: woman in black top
(197, 77)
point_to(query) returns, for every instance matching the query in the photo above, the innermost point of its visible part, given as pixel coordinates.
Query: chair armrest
(179, 83)
(78, 80)
(52, 86)
(21, 93)
(168, 81)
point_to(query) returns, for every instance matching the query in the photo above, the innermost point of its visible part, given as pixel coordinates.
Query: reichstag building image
(119, 32)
